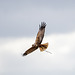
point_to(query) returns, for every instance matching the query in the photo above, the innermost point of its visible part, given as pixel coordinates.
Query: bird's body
(38, 40)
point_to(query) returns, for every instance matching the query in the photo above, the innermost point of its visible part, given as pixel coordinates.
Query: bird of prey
(38, 40)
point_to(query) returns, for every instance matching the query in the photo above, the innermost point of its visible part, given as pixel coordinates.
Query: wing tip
(24, 54)
(43, 25)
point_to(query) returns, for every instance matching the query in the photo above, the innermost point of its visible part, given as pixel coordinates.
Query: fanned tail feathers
(43, 47)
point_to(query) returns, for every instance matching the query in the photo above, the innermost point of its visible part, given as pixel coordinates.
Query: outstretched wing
(30, 50)
(40, 33)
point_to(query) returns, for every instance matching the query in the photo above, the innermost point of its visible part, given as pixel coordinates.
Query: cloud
(62, 59)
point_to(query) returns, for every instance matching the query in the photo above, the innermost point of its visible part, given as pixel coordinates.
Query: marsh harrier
(38, 40)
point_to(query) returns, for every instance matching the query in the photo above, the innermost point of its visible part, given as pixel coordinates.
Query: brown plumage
(38, 40)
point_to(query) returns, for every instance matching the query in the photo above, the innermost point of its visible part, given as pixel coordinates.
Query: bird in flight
(38, 41)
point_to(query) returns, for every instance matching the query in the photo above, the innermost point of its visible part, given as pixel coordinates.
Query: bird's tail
(43, 47)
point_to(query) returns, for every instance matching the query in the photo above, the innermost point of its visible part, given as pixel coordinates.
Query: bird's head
(34, 45)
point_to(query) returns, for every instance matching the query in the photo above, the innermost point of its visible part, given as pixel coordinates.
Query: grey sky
(22, 17)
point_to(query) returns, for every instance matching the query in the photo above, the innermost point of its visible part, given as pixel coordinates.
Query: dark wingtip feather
(24, 54)
(43, 25)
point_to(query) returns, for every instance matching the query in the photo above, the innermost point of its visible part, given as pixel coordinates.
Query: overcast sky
(22, 17)
(19, 24)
